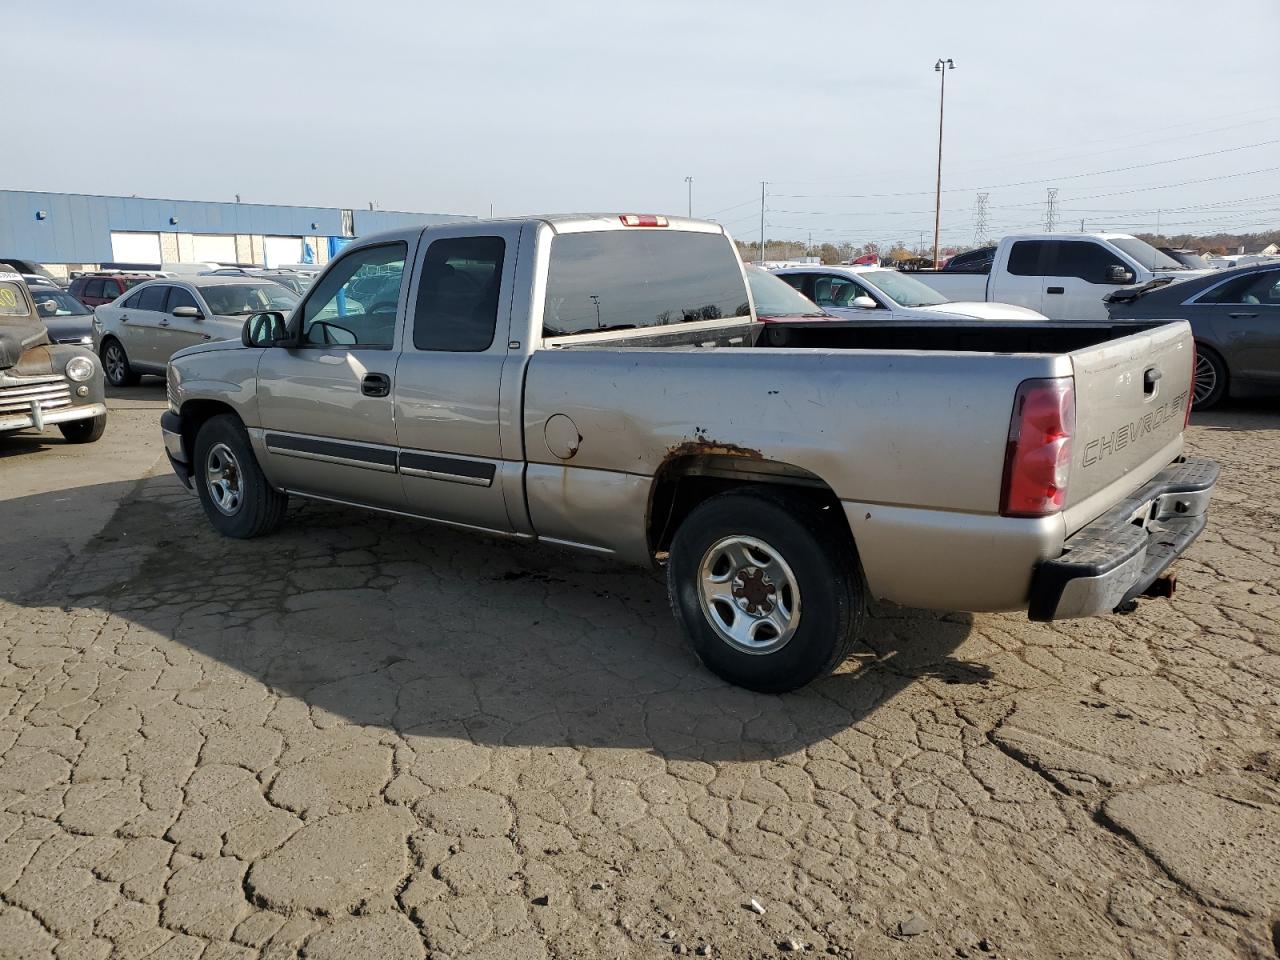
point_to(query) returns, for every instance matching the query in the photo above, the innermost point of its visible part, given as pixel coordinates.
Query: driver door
(325, 404)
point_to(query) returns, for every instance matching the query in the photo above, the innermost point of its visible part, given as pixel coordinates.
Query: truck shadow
(439, 634)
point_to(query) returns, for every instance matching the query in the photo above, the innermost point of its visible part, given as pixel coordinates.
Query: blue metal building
(67, 228)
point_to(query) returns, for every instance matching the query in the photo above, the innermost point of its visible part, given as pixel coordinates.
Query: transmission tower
(980, 220)
(1051, 210)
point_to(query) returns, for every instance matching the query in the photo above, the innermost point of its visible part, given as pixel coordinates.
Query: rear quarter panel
(896, 436)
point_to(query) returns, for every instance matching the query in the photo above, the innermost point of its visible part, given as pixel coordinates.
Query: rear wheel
(233, 490)
(1210, 384)
(767, 587)
(84, 431)
(116, 364)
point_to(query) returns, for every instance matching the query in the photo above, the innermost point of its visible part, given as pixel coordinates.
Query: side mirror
(266, 329)
(863, 303)
(1119, 274)
(191, 313)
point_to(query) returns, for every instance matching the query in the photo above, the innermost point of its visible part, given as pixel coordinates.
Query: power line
(1025, 183)
(1162, 128)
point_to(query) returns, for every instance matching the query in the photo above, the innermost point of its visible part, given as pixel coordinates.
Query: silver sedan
(140, 330)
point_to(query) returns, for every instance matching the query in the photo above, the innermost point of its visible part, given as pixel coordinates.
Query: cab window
(457, 306)
(354, 304)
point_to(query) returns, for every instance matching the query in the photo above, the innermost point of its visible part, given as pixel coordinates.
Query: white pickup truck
(1063, 276)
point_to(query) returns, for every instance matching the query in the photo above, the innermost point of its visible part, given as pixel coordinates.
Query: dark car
(1188, 258)
(971, 261)
(66, 318)
(1235, 316)
(30, 267)
(94, 290)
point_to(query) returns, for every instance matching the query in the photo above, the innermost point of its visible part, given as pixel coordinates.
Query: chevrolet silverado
(602, 382)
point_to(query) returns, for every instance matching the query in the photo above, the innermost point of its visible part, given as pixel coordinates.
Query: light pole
(942, 66)
(689, 181)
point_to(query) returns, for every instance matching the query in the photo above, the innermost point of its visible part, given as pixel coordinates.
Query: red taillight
(1038, 458)
(642, 220)
(1191, 387)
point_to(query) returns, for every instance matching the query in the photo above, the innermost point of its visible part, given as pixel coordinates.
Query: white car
(867, 293)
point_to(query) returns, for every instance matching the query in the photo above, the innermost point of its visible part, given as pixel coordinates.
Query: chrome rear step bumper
(1124, 553)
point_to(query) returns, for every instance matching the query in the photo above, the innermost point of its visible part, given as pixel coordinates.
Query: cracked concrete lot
(364, 737)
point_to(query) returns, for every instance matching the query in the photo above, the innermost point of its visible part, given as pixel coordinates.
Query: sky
(1137, 112)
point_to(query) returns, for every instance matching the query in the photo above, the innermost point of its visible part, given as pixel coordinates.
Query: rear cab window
(457, 307)
(629, 280)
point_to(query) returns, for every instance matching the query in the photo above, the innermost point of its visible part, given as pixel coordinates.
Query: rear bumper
(1119, 555)
(171, 431)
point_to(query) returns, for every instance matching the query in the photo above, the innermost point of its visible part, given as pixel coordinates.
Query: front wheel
(233, 490)
(1210, 379)
(84, 431)
(115, 362)
(767, 587)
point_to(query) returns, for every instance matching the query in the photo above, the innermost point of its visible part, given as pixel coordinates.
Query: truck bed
(986, 336)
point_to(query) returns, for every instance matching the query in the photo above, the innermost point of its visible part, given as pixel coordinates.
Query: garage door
(283, 250)
(213, 248)
(135, 248)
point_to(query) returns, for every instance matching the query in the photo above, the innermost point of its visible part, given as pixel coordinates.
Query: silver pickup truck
(601, 382)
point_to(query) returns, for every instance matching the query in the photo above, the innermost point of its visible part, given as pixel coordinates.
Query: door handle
(1149, 380)
(124, 319)
(1056, 290)
(1242, 316)
(376, 385)
(164, 323)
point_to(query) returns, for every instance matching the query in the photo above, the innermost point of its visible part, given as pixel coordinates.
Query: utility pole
(1051, 209)
(762, 186)
(491, 211)
(980, 220)
(595, 298)
(942, 66)
(689, 181)
(1082, 224)
(1158, 212)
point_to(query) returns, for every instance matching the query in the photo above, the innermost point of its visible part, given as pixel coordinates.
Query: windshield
(903, 290)
(777, 298)
(1146, 255)
(58, 303)
(12, 301)
(242, 299)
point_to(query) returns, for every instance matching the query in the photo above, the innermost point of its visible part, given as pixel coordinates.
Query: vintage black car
(45, 384)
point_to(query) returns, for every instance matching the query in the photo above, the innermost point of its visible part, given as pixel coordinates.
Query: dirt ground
(364, 737)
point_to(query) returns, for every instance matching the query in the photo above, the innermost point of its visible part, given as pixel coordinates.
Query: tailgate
(1131, 400)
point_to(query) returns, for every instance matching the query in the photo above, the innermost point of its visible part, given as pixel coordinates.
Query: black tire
(1209, 365)
(814, 544)
(115, 363)
(259, 508)
(84, 431)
